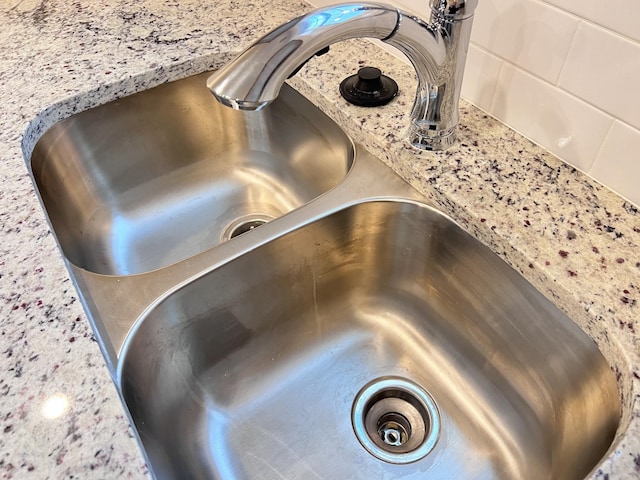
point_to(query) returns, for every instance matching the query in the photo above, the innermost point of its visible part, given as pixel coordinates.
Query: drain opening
(243, 225)
(246, 227)
(394, 429)
(396, 420)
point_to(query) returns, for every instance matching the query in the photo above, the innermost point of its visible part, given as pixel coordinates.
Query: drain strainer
(396, 420)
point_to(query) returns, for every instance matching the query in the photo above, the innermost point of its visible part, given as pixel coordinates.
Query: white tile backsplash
(567, 126)
(564, 73)
(618, 162)
(623, 18)
(481, 77)
(603, 68)
(527, 33)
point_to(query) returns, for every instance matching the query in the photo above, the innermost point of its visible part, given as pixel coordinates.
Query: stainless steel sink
(358, 333)
(160, 176)
(258, 367)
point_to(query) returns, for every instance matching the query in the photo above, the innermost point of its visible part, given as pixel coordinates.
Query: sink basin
(309, 356)
(152, 179)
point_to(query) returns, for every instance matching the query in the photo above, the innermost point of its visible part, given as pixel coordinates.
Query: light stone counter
(60, 416)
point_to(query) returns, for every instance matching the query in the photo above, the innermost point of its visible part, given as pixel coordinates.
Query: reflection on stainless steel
(437, 49)
(158, 177)
(241, 375)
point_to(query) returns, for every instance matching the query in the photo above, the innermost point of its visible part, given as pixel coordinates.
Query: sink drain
(244, 225)
(396, 420)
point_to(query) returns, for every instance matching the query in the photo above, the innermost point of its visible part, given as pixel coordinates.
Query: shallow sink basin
(157, 177)
(378, 342)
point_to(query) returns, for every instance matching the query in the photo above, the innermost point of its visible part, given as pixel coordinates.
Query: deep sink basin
(253, 370)
(157, 177)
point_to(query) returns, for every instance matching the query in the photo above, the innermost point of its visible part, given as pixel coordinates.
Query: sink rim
(91, 286)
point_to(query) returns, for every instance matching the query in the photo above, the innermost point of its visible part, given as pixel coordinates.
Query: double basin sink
(274, 302)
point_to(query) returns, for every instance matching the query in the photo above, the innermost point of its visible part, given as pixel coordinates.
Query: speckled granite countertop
(60, 416)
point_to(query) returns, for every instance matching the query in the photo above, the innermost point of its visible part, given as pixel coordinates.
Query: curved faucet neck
(437, 50)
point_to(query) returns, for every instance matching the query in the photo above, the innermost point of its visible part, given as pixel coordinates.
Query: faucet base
(432, 140)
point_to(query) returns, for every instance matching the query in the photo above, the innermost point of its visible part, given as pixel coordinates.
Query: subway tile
(618, 162)
(530, 34)
(604, 69)
(480, 77)
(563, 124)
(623, 18)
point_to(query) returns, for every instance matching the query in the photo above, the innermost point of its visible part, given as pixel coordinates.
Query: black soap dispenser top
(368, 88)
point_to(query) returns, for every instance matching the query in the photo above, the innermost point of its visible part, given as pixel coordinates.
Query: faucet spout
(253, 79)
(436, 48)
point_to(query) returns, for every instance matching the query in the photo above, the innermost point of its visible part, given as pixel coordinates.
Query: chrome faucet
(437, 49)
